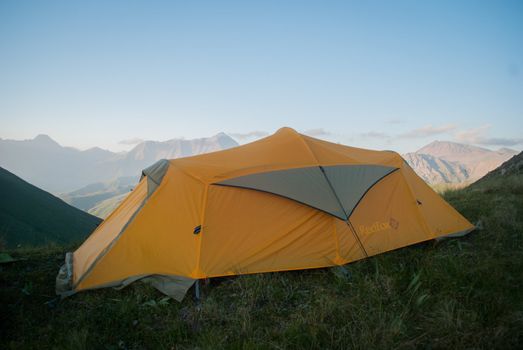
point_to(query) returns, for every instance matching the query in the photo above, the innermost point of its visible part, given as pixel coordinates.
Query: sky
(377, 74)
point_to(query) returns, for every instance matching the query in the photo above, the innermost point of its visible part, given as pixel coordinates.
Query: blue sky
(377, 74)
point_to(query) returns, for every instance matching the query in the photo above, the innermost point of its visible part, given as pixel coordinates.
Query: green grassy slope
(31, 216)
(461, 293)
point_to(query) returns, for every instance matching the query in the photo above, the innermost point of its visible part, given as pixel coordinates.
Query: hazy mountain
(89, 196)
(31, 216)
(436, 170)
(451, 162)
(58, 169)
(148, 152)
(478, 161)
(512, 167)
(48, 165)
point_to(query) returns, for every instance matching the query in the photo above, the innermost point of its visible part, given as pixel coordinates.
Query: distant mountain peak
(445, 147)
(97, 151)
(96, 148)
(45, 140)
(225, 140)
(43, 137)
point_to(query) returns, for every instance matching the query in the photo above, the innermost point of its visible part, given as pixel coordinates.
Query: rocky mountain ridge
(445, 162)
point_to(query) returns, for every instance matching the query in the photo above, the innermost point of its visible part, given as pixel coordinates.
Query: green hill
(30, 216)
(462, 293)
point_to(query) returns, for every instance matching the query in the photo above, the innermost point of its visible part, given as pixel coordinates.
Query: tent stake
(197, 290)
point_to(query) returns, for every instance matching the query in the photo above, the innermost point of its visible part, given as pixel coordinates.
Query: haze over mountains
(89, 196)
(52, 167)
(444, 162)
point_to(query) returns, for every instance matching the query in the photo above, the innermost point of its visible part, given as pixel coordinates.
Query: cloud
(473, 135)
(427, 131)
(319, 132)
(375, 134)
(502, 141)
(256, 134)
(478, 136)
(131, 141)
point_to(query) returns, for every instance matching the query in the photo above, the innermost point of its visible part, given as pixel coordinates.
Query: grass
(462, 293)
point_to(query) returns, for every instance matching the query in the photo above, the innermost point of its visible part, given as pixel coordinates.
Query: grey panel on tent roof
(351, 182)
(305, 185)
(155, 174)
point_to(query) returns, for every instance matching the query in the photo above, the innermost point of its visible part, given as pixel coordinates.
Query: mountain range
(96, 180)
(441, 164)
(57, 169)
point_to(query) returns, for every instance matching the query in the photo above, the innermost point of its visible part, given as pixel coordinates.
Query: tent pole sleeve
(334, 192)
(357, 237)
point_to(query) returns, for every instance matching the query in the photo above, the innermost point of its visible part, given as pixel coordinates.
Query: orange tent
(285, 202)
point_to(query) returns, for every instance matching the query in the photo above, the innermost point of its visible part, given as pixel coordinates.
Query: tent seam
(188, 173)
(308, 148)
(202, 231)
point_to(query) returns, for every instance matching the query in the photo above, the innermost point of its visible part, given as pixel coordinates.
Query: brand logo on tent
(395, 224)
(379, 226)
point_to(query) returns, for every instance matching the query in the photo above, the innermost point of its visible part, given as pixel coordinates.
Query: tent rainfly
(285, 202)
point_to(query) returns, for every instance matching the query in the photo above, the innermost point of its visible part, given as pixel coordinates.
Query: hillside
(57, 169)
(104, 208)
(458, 294)
(443, 162)
(31, 216)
